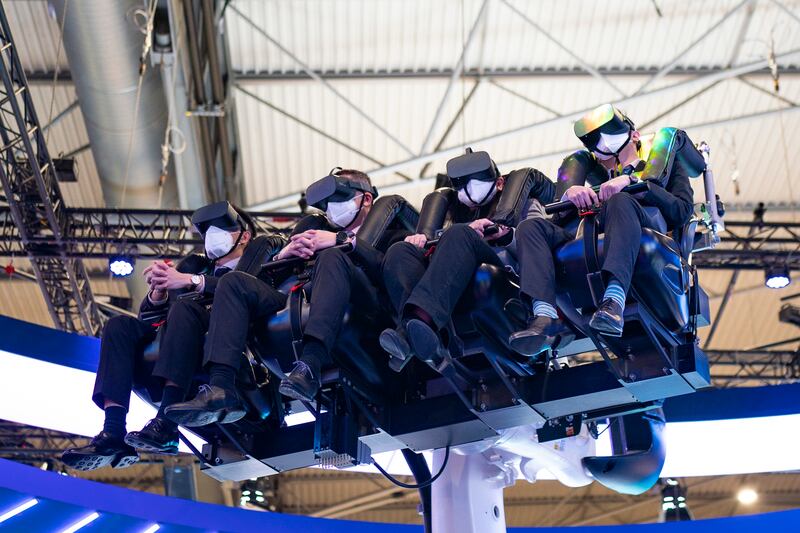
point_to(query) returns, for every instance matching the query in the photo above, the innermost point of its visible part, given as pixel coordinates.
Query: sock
(170, 396)
(541, 308)
(314, 355)
(115, 420)
(615, 291)
(222, 376)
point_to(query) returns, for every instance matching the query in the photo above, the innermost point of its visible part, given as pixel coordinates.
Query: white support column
(468, 497)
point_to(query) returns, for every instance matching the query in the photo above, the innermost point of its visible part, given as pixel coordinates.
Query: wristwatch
(342, 237)
(196, 280)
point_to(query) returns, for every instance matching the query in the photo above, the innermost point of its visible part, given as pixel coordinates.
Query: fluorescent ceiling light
(85, 521)
(14, 511)
(152, 529)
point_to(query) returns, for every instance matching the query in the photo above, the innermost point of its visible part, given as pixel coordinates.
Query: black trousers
(122, 358)
(621, 218)
(403, 267)
(239, 301)
(336, 283)
(457, 256)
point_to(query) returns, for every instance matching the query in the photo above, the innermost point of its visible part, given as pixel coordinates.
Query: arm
(676, 201)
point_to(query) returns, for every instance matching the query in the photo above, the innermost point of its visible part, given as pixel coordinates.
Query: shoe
(105, 449)
(542, 333)
(212, 404)
(425, 342)
(395, 343)
(608, 318)
(300, 383)
(157, 436)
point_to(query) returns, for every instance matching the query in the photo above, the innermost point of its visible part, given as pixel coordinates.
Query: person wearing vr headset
(616, 156)
(423, 287)
(227, 232)
(338, 278)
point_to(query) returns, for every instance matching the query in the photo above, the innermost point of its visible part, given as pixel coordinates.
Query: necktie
(221, 270)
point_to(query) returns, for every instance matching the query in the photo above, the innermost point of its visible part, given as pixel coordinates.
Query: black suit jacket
(260, 250)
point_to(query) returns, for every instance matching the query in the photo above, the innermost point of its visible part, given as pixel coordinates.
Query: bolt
(484, 388)
(632, 376)
(665, 370)
(569, 418)
(217, 461)
(483, 406)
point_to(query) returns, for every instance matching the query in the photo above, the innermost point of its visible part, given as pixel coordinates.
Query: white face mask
(611, 144)
(342, 214)
(477, 193)
(219, 242)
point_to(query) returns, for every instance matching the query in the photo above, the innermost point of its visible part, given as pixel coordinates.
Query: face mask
(219, 242)
(611, 144)
(477, 193)
(342, 214)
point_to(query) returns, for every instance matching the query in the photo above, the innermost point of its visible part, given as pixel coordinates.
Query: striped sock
(615, 291)
(541, 308)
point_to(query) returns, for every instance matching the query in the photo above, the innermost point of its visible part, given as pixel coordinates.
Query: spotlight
(747, 496)
(121, 265)
(673, 502)
(777, 277)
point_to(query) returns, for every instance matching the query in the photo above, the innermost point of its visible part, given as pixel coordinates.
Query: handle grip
(566, 205)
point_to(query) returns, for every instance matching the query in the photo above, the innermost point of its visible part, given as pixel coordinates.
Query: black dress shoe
(425, 342)
(541, 334)
(300, 383)
(608, 318)
(157, 436)
(212, 404)
(395, 343)
(105, 449)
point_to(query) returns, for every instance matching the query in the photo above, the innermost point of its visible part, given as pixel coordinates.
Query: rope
(142, 70)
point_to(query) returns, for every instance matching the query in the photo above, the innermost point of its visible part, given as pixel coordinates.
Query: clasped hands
(305, 244)
(162, 276)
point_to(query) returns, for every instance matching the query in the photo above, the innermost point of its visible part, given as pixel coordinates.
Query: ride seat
(660, 277)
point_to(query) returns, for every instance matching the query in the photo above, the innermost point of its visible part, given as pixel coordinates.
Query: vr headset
(221, 215)
(600, 126)
(471, 166)
(335, 188)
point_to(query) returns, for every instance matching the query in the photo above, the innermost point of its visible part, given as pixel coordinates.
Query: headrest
(384, 212)
(471, 166)
(434, 211)
(521, 186)
(335, 188)
(221, 215)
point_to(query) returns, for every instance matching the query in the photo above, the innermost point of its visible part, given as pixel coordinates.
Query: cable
(420, 485)
(55, 74)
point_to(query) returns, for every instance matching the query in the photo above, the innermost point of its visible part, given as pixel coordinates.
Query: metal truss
(731, 367)
(754, 246)
(146, 233)
(36, 206)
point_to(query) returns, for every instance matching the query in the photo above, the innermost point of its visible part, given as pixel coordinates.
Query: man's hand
(480, 225)
(163, 277)
(320, 239)
(299, 246)
(613, 186)
(582, 196)
(502, 231)
(419, 240)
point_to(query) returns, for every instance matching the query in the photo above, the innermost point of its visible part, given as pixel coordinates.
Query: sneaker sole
(87, 463)
(149, 446)
(531, 345)
(288, 390)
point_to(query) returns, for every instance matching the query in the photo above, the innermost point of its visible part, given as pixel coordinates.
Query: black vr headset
(471, 166)
(221, 215)
(335, 188)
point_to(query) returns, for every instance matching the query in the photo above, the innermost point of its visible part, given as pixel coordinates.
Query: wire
(142, 69)
(418, 486)
(55, 74)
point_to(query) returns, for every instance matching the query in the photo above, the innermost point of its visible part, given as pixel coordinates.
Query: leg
(622, 219)
(123, 341)
(459, 253)
(403, 267)
(537, 240)
(335, 284)
(239, 300)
